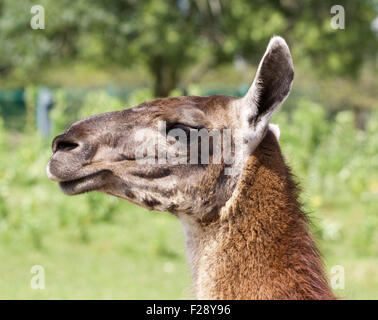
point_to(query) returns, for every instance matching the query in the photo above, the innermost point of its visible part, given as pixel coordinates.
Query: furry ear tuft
(270, 88)
(273, 79)
(275, 129)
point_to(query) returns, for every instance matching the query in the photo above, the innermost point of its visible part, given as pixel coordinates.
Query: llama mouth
(88, 183)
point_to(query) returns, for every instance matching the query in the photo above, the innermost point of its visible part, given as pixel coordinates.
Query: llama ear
(269, 89)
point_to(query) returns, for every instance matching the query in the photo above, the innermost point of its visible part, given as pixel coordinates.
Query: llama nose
(64, 143)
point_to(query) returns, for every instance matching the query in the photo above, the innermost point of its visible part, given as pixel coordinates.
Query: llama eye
(181, 126)
(187, 129)
(184, 127)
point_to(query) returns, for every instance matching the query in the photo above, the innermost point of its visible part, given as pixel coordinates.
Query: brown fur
(260, 248)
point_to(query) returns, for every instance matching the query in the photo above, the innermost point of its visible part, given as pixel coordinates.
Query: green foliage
(59, 113)
(30, 97)
(99, 102)
(307, 127)
(168, 36)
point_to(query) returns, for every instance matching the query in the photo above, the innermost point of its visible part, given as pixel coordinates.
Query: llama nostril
(64, 145)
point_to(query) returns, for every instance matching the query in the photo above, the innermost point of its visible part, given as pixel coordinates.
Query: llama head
(174, 154)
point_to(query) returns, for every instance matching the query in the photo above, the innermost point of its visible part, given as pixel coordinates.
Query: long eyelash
(183, 126)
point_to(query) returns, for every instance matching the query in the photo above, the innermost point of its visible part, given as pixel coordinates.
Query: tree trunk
(361, 118)
(165, 76)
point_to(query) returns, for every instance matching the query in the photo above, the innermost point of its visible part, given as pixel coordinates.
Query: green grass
(140, 255)
(359, 263)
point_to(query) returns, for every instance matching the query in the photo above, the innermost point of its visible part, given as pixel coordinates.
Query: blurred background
(98, 56)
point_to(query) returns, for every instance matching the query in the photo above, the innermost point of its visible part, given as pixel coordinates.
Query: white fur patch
(275, 129)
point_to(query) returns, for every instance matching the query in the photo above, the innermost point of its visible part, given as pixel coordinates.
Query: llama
(246, 235)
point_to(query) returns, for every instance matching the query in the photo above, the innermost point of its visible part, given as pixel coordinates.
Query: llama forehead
(193, 109)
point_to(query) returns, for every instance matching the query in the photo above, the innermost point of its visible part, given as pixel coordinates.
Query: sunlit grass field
(141, 255)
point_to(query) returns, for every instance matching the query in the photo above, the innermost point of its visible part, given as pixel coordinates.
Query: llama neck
(260, 247)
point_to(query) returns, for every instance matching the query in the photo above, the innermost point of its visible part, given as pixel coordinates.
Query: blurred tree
(168, 36)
